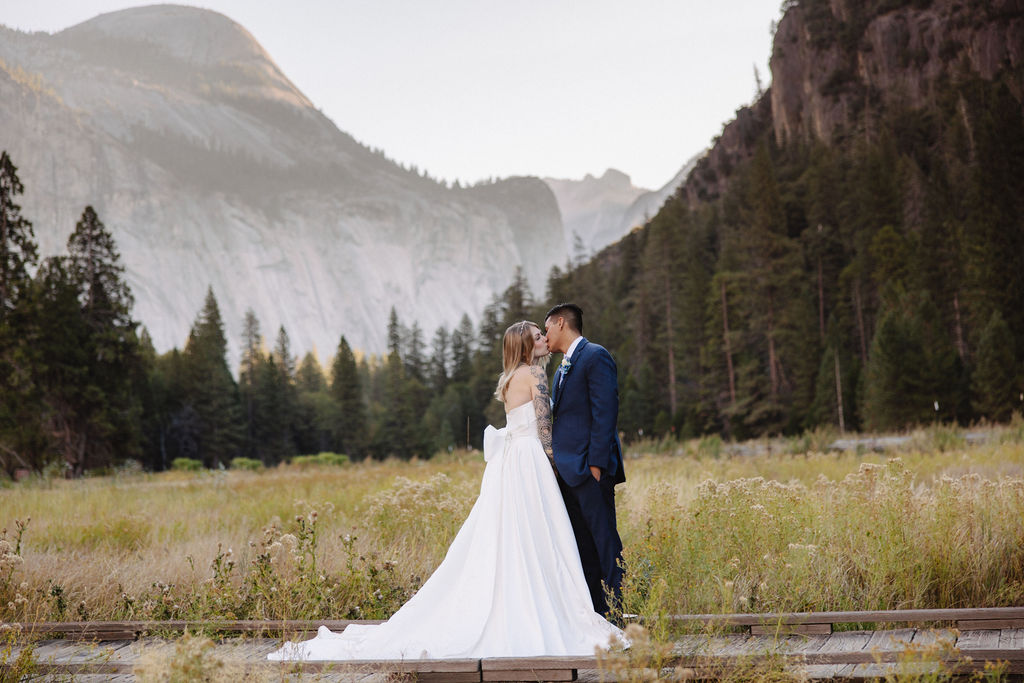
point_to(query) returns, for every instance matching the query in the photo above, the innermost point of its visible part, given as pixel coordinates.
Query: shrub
(186, 465)
(320, 459)
(246, 464)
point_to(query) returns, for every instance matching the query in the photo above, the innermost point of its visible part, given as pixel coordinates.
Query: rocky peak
(837, 63)
(212, 170)
(197, 36)
(834, 62)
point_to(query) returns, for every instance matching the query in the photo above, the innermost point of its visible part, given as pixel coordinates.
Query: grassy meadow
(937, 522)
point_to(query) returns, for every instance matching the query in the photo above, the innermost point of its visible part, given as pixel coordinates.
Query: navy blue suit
(585, 410)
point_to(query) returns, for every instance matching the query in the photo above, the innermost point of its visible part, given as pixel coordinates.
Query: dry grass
(704, 532)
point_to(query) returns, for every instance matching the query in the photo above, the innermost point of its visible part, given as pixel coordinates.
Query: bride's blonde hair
(517, 349)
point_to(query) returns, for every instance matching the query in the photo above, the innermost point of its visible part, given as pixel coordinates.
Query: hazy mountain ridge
(601, 210)
(211, 168)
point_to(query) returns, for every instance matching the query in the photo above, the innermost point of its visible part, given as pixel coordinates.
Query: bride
(511, 584)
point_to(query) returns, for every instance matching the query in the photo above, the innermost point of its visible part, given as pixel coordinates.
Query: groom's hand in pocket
(596, 471)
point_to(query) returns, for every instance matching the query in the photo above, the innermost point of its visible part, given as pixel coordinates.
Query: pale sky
(469, 89)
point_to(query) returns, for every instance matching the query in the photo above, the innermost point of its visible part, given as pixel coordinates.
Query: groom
(588, 455)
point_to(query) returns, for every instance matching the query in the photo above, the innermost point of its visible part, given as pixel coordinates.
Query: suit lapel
(557, 391)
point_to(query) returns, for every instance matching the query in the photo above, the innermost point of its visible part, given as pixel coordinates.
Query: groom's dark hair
(572, 313)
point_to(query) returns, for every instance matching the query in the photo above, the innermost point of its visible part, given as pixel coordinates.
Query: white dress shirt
(572, 347)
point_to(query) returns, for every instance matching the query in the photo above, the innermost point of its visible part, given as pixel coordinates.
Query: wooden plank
(812, 644)
(928, 637)
(852, 617)
(785, 628)
(814, 672)
(523, 663)
(84, 668)
(276, 626)
(984, 624)
(869, 672)
(447, 677)
(121, 651)
(417, 666)
(980, 640)
(1011, 639)
(530, 675)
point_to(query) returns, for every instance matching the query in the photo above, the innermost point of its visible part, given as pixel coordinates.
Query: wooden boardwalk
(803, 644)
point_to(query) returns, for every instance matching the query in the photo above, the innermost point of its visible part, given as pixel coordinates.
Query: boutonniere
(565, 366)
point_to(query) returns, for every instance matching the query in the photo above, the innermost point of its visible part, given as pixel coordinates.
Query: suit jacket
(585, 410)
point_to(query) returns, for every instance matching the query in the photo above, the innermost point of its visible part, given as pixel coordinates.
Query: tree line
(877, 283)
(873, 283)
(82, 387)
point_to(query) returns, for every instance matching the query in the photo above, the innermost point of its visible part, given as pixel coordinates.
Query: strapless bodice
(521, 421)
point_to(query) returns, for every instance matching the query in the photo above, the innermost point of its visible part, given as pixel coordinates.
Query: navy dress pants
(591, 508)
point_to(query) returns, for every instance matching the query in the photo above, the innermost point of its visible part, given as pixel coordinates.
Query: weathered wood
(446, 677)
(978, 640)
(529, 675)
(1011, 639)
(933, 637)
(71, 628)
(417, 666)
(784, 628)
(855, 617)
(968, 618)
(855, 655)
(520, 663)
(987, 624)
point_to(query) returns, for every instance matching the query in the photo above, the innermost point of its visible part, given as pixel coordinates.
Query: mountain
(212, 169)
(849, 254)
(839, 66)
(597, 212)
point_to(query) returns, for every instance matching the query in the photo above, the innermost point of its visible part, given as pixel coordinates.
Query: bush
(186, 465)
(246, 464)
(320, 459)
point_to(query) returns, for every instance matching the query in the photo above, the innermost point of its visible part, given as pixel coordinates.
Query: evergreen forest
(872, 282)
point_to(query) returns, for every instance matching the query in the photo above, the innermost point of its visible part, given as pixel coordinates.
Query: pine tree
(315, 409)
(21, 436)
(18, 250)
(287, 400)
(272, 428)
(350, 428)
(252, 357)
(462, 351)
(309, 377)
(97, 265)
(996, 380)
(212, 392)
(396, 333)
(415, 364)
(911, 376)
(440, 358)
(61, 366)
(115, 368)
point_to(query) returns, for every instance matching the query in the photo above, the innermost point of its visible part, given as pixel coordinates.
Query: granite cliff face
(836, 64)
(821, 89)
(212, 169)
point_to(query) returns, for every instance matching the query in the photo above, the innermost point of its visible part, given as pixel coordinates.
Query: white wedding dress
(511, 584)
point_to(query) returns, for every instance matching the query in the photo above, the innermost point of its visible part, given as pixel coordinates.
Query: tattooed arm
(542, 407)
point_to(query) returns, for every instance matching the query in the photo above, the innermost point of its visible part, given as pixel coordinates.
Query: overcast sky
(469, 89)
